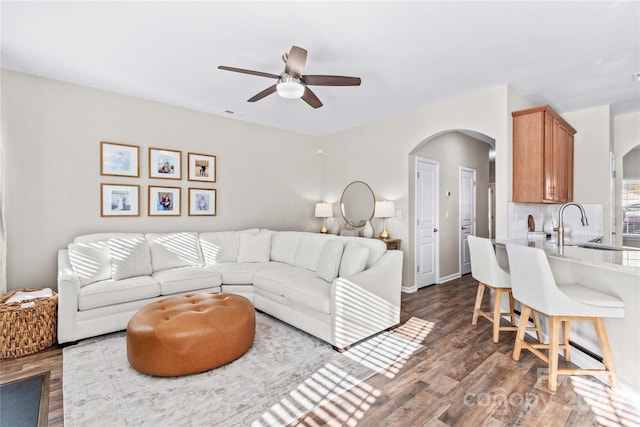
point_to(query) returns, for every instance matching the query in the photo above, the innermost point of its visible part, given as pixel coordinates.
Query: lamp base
(384, 234)
(324, 229)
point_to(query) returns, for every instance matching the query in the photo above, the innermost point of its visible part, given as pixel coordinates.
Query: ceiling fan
(292, 83)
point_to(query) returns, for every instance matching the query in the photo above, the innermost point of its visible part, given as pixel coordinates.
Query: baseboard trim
(449, 278)
(409, 289)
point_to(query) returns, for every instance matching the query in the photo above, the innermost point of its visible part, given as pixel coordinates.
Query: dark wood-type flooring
(459, 377)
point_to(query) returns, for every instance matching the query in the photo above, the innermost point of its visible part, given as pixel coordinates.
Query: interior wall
(454, 150)
(379, 154)
(591, 160)
(52, 133)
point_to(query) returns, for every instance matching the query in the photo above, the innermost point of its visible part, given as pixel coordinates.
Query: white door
(427, 222)
(467, 215)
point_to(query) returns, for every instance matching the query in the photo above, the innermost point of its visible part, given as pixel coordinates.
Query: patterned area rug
(285, 375)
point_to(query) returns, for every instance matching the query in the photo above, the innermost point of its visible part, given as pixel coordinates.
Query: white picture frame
(164, 201)
(201, 167)
(165, 163)
(119, 200)
(119, 159)
(203, 201)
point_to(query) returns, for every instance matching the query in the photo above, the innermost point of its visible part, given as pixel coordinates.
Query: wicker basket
(27, 330)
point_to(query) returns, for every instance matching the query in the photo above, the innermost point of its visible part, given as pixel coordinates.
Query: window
(631, 206)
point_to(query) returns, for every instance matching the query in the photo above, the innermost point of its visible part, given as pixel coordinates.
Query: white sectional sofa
(339, 289)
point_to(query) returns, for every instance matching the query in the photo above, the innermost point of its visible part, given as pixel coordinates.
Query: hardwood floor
(459, 377)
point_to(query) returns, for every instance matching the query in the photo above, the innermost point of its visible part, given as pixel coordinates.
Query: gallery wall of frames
(125, 199)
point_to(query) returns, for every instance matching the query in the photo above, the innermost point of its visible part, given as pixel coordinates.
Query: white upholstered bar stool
(534, 286)
(486, 270)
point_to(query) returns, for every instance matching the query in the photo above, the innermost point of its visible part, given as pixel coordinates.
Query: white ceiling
(572, 55)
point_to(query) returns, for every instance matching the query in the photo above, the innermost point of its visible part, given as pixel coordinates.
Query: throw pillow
(254, 247)
(354, 259)
(90, 261)
(329, 262)
(129, 258)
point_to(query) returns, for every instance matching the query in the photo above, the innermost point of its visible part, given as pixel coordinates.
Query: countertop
(622, 259)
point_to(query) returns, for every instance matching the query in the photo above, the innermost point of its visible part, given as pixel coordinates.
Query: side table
(392, 244)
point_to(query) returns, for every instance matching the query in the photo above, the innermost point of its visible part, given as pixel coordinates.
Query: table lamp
(384, 210)
(324, 211)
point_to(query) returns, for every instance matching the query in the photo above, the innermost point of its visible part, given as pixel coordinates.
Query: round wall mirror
(357, 204)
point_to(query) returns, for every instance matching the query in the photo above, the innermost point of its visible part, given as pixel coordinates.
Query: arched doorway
(454, 150)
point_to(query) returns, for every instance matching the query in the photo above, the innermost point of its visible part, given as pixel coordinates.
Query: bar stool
(535, 287)
(486, 270)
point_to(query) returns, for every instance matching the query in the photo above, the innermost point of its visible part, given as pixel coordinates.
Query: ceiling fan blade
(295, 61)
(259, 96)
(310, 98)
(320, 80)
(252, 72)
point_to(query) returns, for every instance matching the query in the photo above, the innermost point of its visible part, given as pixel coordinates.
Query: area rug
(286, 374)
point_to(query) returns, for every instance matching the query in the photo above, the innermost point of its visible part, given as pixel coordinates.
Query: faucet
(560, 229)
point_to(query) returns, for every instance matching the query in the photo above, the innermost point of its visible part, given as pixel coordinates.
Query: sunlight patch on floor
(612, 408)
(336, 397)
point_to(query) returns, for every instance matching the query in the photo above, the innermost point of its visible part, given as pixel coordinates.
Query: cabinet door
(569, 167)
(549, 170)
(560, 151)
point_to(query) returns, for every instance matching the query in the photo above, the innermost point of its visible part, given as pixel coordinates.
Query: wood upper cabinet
(542, 156)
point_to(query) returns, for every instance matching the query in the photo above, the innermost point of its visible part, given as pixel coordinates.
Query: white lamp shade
(324, 210)
(385, 209)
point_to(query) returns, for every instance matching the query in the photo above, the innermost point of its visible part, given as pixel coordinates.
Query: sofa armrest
(368, 302)
(68, 290)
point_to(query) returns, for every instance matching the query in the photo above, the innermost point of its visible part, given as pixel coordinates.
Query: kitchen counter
(615, 272)
(618, 258)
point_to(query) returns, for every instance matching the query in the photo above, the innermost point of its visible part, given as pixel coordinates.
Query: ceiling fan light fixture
(289, 87)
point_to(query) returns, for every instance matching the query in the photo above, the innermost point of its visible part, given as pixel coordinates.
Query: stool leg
(522, 329)
(607, 359)
(566, 332)
(496, 314)
(479, 296)
(512, 308)
(554, 337)
(536, 323)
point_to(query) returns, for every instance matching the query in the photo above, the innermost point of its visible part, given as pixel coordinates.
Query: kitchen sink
(602, 247)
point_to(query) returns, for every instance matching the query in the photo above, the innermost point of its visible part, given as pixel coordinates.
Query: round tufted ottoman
(190, 333)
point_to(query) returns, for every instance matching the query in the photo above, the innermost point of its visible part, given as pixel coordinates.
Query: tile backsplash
(518, 213)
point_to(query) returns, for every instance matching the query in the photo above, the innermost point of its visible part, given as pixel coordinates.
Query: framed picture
(165, 164)
(119, 200)
(119, 159)
(164, 201)
(201, 167)
(202, 201)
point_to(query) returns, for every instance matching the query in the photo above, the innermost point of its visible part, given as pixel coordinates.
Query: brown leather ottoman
(190, 333)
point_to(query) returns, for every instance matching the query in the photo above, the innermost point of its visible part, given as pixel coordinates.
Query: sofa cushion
(112, 292)
(309, 249)
(284, 245)
(130, 257)
(329, 262)
(90, 261)
(354, 258)
(222, 246)
(273, 279)
(377, 248)
(313, 294)
(255, 247)
(173, 250)
(186, 279)
(104, 237)
(237, 273)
